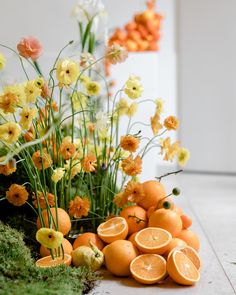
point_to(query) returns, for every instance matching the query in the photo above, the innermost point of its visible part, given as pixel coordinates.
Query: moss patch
(19, 275)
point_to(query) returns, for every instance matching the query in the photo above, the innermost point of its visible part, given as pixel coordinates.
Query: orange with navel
(136, 218)
(67, 247)
(148, 268)
(64, 222)
(85, 238)
(166, 219)
(113, 229)
(153, 240)
(154, 191)
(118, 256)
(190, 238)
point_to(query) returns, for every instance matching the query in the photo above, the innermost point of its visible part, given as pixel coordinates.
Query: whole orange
(175, 242)
(187, 221)
(118, 256)
(166, 219)
(136, 218)
(132, 239)
(83, 240)
(154, 191)
(66, 246)
(64, 222)
(190, 238)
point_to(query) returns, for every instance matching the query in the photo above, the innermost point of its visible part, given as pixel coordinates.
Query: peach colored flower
(8, 102)
(120, 199)
(171, 123)
(30, 47)
(155, 123)
(67, 149)
(42, 202)
(129, 143)
(116, 54)
(79, 207)
(42, 160)
(89, 163)
(134, 191)
(132, 166)
(17, 195)
(9, 168)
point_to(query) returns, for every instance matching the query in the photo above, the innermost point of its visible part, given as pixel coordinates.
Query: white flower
(57, 175)
(87, 9)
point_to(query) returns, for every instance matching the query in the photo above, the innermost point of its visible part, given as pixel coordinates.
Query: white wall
(207, 83)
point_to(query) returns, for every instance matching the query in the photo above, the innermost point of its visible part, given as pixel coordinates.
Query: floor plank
(211, 203)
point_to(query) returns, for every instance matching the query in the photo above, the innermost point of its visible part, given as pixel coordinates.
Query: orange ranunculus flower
(29, 135)
(8, 102)
(155, 123)
(42, 201)
(171, 123)
(42, 160)
(30, 48)
(89, 163)
(129, 143)
(9, 168)
(79, 207)
(17, 195)
(134, 191)
(120, 199)
(132, 166)
(67, 149)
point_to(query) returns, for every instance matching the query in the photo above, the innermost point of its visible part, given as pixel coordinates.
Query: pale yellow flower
(170, 150)
(122, 106)
(79, 101)
(19, 91)
(67, 72)
(183, 156)
(2, 61)
(155, 123)
(75, 167)
(132, 109)
(27, 116)
(39, 82)
(32, 91)
(58, 174)
(93, 88)
(103, 134)
(84, 79)
(133, 87)
(10, 132)
(159, 105)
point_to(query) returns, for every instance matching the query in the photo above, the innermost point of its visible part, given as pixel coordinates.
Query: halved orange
(191, 253)
(148, 268)
(153, 240)
(181, 269)
(47, 261)
(113, 229)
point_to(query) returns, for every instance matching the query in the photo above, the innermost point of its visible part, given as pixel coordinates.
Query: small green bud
(176, 191)
(166, 205)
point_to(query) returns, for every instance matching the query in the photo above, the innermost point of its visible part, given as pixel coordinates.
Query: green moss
(19, 275)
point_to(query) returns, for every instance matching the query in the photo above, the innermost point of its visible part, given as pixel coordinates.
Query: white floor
(211, 203)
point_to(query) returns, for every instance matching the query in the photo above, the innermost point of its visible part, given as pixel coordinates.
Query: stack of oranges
(142, 33)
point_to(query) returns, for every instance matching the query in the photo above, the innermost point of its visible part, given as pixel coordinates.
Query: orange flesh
(152, 238)
(149, 267)
(49, 262)
(192, 256)
(112, 227)
(185, 266)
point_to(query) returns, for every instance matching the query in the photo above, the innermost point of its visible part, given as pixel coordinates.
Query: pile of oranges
(149, 241)
(142, 33)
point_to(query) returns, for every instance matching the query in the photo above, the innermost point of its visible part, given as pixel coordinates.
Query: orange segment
(148, 268)
(49, 262)
(153, 240)
(192, 254)
(113, 229)
(181, 269)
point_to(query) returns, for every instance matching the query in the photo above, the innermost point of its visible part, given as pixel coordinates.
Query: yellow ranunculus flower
(8, 102)
(122, 106)
(10, 132)
(84, 79)
(93, 88)
(75, 167)
(32, 91)
(159, 105)
(67, 72)
(39, 82)
(2, 61)
(133, 87)
(27, 116)
(19, 91)
(49, 238)
(79, 101)
(132, 109)
(57, 175)
(183, 156)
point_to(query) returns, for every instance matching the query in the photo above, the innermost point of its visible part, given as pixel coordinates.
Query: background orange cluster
(142, 33)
